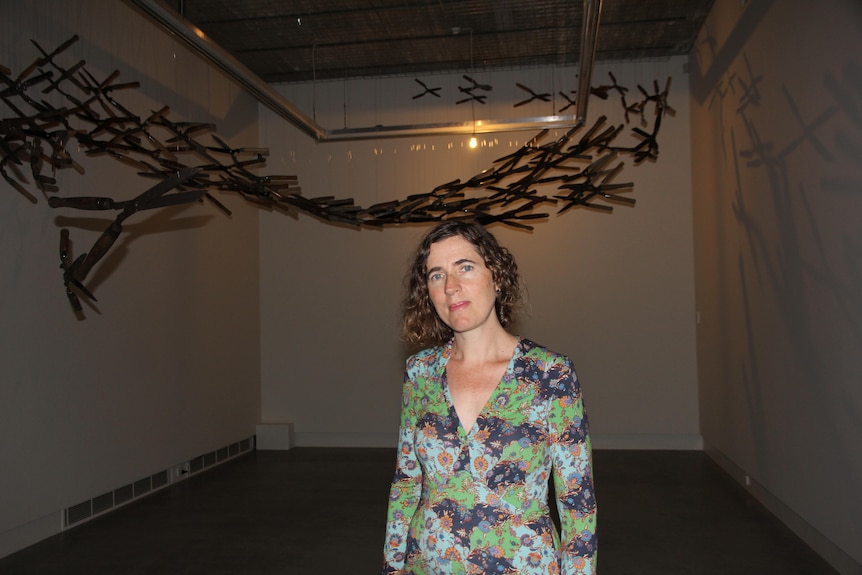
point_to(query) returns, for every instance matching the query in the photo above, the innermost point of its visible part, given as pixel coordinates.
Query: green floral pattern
(477, 502)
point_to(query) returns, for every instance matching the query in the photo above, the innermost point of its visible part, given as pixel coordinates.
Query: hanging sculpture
(545, 97)
(427, 90)
(471, 89)
(186, 168)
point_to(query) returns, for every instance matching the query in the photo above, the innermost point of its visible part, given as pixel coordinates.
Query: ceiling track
(589, 45)
(178, 27)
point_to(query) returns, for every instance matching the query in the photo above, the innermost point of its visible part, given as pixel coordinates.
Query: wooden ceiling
(303, 40)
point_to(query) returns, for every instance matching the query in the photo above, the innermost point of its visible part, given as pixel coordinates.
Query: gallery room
(209, 210)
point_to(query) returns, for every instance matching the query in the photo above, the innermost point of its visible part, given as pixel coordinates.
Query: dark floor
(322, 511)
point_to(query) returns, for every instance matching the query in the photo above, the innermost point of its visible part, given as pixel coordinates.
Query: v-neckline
(492, 396)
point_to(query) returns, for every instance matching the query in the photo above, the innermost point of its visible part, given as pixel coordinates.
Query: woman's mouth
(458, 306)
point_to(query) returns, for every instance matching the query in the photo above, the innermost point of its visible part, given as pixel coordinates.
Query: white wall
(778, 248)
(165, 367)
(615, 292)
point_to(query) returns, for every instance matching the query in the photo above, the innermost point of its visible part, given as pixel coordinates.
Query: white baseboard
(346, 439)
(274, 436)
(671, 442)
(25, 535)
(54, 523)
(831, 553)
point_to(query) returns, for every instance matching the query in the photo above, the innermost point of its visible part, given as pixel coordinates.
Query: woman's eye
(467, 268)
(435, 277)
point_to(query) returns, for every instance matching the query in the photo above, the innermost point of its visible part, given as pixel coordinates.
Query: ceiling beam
(176, 26)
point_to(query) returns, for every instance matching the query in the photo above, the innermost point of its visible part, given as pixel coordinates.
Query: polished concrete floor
(321, 511)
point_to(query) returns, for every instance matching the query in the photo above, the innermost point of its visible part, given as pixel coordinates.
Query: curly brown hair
(420, 322)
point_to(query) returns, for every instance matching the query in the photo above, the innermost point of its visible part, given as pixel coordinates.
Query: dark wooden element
(188, 162)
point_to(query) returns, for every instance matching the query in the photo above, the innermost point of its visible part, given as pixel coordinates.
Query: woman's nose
(452, 284)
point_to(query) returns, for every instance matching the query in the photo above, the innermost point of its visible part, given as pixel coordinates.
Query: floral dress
(477, 502)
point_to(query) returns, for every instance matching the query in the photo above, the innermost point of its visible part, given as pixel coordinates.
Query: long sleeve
(406, 486)
(571, 452)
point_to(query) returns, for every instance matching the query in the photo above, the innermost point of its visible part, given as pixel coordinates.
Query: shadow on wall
(155, 223)
(708, 77)
(794, 162)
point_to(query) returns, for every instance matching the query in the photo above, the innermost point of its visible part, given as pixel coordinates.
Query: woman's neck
(485, 347)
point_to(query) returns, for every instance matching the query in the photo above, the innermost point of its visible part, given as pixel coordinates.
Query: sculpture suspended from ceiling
(187, 161)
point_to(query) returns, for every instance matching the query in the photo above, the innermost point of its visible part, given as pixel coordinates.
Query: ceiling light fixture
(473, 142)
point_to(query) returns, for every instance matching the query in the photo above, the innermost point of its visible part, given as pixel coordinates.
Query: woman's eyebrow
(457, 263)
(465, 261)
(433, 270)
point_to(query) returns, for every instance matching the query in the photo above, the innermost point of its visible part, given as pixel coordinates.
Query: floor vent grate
(196, 464)
(79, 512)
(103, 502)
(124, 494)
(96, 506)
(142, 487)
(160, 479)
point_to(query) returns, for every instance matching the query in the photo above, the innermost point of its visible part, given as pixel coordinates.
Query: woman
(487, 418)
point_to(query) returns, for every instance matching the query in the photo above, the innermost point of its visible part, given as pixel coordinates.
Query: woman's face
(460, 285)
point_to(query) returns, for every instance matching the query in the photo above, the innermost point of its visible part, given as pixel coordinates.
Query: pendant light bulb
(473, 142)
